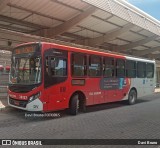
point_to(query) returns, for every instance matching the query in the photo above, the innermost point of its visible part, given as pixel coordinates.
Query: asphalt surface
(108, 121)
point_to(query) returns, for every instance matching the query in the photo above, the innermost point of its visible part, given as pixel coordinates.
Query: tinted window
(94, 66)
(78, 65)
(150, 70)
(130, 69)
(58, 66)
(55, 66)
(120, 68)
(108, 67)
(141, 69)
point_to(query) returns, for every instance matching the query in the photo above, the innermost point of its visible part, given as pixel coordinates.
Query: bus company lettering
(20, 97)
(94, 93)
(112, 83)
(23, 97)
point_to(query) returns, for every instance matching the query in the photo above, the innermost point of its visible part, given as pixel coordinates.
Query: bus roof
(84, 48)
(139, 59)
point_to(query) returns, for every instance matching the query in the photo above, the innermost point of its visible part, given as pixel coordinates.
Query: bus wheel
(132, 97)
(74, 105)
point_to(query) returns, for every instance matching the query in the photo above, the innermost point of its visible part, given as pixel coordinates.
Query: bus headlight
(34, 97)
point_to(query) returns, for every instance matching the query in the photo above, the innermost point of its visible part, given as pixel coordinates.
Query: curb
(1, 109)
(157, 90)
(2, 106)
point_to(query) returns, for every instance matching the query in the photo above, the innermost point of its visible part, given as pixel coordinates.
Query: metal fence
(4, 79)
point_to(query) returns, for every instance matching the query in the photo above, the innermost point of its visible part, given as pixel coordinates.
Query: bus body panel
(96, 90)
(144, 86)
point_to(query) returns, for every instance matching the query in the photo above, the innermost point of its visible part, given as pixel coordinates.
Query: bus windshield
(25, 70)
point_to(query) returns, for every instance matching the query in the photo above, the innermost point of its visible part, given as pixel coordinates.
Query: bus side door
(55, 76)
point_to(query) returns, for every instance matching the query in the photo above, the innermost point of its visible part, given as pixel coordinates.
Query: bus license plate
(16, 102)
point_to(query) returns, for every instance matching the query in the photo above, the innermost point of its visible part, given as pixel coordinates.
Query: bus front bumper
(35, 105)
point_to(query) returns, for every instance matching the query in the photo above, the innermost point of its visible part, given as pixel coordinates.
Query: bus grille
(19, 103)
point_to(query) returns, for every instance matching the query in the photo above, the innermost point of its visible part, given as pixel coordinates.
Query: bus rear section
(142, 73)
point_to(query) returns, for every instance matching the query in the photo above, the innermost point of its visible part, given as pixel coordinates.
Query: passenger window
(141, 70)
(58, 66)
(108, 67)
(94, 66)
(46, 62)
(120, 68)
(78, 65)
(150, 70)
(130, 69)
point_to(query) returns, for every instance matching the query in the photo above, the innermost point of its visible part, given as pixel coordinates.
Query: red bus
(49, 77)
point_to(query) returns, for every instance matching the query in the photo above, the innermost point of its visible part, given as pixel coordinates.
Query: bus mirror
(53, 63)
(48, 67)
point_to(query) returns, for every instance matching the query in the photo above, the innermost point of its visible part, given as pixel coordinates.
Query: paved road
(107, 121)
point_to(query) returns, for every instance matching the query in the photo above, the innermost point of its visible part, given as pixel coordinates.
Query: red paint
(8, 68)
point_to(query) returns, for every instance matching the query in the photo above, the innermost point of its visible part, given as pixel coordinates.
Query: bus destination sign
(22, 50)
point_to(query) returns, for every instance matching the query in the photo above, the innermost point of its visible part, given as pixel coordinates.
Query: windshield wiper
(37, 78)
(24, 67)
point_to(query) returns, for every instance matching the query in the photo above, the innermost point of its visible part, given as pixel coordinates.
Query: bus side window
(141, 69)
(131, 69)
(58, 66)
(78, 65)
(94, 66)
(46, 68)
(150, 70)
(120, 68)
(108, 67)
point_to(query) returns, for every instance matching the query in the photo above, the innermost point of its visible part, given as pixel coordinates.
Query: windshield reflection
(25, 70)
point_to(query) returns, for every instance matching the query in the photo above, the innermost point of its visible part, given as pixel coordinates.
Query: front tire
(132, 97)
(74, 105)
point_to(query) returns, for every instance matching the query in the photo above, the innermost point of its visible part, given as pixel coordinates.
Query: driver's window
(34, 69)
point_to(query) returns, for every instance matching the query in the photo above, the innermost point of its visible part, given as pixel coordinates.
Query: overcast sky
(151, 7)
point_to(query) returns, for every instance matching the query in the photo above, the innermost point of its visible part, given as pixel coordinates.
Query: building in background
(5, 61)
